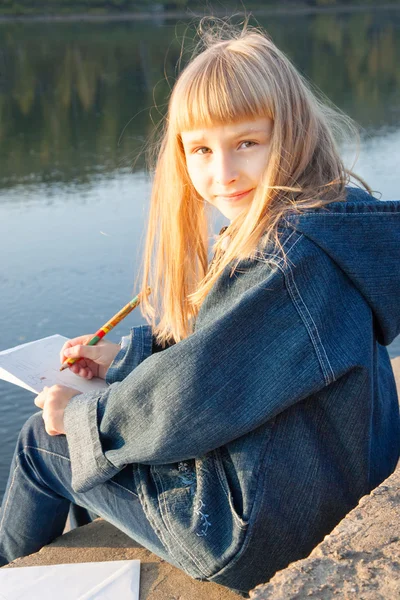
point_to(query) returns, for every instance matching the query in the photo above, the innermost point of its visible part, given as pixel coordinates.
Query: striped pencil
(107, 327)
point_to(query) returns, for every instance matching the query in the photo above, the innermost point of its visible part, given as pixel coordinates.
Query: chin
(231, 214)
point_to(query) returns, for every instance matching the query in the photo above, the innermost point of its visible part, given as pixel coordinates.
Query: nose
(225, 169)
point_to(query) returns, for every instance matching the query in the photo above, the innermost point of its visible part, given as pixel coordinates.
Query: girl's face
(226, 163)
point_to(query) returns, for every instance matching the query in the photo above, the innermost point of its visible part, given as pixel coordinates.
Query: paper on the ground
(37, 364)
(112, 580)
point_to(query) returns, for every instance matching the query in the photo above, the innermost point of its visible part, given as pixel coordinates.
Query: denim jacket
(254, 436)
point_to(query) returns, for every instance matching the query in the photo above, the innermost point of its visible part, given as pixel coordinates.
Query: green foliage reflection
(76, 99)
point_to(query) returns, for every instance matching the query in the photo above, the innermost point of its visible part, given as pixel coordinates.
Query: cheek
(261, 164)
(197, 176)
(254, 171)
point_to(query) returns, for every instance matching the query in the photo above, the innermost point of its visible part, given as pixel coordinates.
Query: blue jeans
(38, 497)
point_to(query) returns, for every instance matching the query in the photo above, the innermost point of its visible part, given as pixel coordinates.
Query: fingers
(80, 368)
(81, 351)
(40, 398)
(82, 339)
(50, 415)
(53, 400)
(53, 418)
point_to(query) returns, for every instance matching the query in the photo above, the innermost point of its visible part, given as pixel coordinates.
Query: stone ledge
(100, 541)
(358, 560)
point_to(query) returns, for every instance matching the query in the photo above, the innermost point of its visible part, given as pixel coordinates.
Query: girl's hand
(53, 401)
(95, 360)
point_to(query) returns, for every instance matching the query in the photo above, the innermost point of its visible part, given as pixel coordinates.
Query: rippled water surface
(74, 115)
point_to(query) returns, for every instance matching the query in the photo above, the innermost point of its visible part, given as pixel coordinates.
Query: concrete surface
(359, 560)
(100, 541)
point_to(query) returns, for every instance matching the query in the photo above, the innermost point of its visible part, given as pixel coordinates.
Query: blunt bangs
(217, 88)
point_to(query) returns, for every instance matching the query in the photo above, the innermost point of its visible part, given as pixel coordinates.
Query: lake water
(75, 113)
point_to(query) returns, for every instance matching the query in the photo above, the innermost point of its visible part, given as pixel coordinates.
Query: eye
(202, 150)
(247, 144)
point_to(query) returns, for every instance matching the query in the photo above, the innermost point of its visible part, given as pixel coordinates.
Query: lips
(235, 195)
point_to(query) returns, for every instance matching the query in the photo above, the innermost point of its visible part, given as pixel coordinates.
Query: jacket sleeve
(251, 357)
(135, 348)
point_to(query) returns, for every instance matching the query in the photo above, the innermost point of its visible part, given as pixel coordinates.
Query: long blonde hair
(239, 75)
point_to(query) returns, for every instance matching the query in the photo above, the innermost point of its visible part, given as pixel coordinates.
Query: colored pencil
(107, 327)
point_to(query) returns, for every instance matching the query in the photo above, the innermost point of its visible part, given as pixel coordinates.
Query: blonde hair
(239, 75)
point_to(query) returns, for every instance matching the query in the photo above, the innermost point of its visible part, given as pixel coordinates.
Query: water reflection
(76, 98)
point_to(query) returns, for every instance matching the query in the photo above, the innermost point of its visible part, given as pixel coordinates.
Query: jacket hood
(362, 236)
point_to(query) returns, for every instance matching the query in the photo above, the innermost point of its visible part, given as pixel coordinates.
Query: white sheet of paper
(82, 581)
(35, 365)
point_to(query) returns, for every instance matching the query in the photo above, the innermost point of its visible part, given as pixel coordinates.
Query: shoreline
(193, 14)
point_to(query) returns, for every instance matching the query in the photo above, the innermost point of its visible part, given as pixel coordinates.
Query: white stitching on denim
(298, 306)
(276, 260)
(271, 258)
(160, 497)
(330, 378)
(348, 214)
(317, 343)
(46, 452)
(43, 450)
(316, 329)
(294, 243)
(306, 324)
(122, 487)
(262, 254)
(69, 460)
(141, 354)
(187, 476)
(206, 522)
(202, 568)
(170, 529)
(8, 497)
(280, 259)
(288, 238)
(239, 523)
(199, 563)
(221, 481)
(309, 329)
(149, 516)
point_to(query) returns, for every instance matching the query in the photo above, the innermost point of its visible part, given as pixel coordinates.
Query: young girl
(259, 404)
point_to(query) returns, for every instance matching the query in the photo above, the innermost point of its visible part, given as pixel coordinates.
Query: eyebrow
(246, 132)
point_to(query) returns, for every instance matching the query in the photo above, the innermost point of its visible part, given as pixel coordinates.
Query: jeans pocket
(231, 488)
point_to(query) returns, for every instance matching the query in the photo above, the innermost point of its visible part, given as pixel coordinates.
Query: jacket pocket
(230, 485)
(238, 465)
